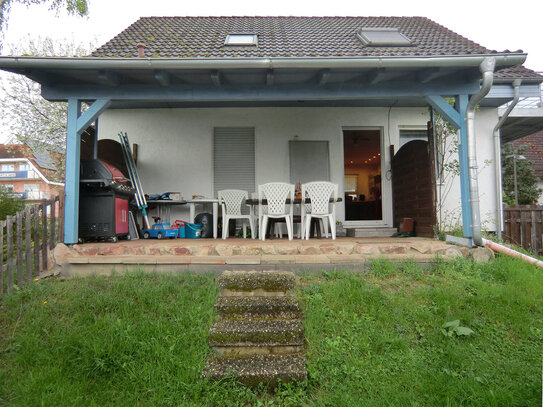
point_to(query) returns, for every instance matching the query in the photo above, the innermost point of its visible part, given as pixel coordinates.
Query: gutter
(10, 63)
(487, 68)
(497, 157)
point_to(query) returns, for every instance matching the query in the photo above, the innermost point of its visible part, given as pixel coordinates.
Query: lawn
(373, 339)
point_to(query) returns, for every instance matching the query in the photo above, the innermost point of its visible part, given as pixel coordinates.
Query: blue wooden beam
(456, 116)
(77, 123)
(461, 108)
(73, 146)
(90, 115)
(446, 110)
(262, 92)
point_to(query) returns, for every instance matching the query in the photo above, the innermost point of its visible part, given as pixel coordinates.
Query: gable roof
(204, 37)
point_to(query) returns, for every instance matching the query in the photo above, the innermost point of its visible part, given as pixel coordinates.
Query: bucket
(193, 230)
(180, 226)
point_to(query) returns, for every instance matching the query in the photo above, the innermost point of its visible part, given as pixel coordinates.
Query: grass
(373, 339)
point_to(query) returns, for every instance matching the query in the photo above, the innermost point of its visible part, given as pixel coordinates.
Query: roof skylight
(383, 37)
(241, 39)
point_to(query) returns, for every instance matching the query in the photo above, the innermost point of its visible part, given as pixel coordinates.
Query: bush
(9, 204)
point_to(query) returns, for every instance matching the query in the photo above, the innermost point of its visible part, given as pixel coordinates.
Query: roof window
(241, 39)
(383, 37)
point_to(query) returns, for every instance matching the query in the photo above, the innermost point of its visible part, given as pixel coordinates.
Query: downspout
(497, 157)
(487, 68)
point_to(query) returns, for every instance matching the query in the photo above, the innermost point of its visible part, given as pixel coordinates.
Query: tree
(527, 189)
(73, 7)
(28, 118)
(447, 167)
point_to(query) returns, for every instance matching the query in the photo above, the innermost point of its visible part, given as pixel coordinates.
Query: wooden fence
(524, 227)
(26, 240)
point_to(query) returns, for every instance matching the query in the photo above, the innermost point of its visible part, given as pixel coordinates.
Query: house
(29, 174)
(216, 102)
(533, 153)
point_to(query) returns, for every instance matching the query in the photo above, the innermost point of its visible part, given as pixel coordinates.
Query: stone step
(271, 333)
(256, 283)
(371, 232)
(257, 369)
(250, 308)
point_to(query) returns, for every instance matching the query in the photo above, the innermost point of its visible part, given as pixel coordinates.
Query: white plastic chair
(276, 194)
(320, 192)
(231, 201)
(262, 209)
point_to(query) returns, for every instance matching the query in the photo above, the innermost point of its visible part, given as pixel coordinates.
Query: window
(8, 167)
(7, 187)
(383, 37)
(409, 135)
(234, 158)
(309, 161)
(24, 167)
(241, 39)
(32, 187)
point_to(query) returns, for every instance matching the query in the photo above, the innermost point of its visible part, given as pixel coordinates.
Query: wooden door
(413, 186)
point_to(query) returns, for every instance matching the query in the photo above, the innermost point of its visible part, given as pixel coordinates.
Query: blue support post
(77, 123)
(95, 145)
(457, 117)
(461, 107)
(73, 147)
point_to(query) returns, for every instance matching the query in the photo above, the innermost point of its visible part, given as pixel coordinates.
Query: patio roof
(296, 61)
(155, 83)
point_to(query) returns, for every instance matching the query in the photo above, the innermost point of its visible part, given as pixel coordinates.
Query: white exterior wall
(485, 120)
(540, 186)
(176, 145)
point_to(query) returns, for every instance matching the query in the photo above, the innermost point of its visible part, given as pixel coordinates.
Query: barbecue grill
(103, 201)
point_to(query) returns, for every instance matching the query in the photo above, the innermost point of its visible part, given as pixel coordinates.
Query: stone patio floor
(248, 253)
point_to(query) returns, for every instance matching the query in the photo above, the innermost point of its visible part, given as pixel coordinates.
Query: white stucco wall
(176, 145)
(485, 120)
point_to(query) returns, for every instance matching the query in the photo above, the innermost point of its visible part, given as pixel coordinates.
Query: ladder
(134, 178)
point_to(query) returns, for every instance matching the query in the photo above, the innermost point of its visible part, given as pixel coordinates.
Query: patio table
(163, 207)
(202, 201)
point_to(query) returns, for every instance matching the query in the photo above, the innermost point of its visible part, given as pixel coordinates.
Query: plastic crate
(182, 234)
(193, 230)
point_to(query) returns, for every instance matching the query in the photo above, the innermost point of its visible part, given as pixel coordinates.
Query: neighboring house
(534, 153)
(28, 174)
(233, 102)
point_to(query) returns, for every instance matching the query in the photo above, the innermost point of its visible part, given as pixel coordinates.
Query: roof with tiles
(204, 37)
(518, 72)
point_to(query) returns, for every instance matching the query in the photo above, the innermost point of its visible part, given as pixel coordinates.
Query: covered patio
(174, 106)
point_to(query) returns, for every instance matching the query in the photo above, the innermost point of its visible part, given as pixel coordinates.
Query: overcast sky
(488, 23)
(515, 26)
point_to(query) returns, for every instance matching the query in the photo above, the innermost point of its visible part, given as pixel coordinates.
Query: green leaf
(451, 324)
(463, 331)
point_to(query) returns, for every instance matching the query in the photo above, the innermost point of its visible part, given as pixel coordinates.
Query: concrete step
(250, 308)
(256, 283)
(257, 369)
(371, 232)
(271, 333)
